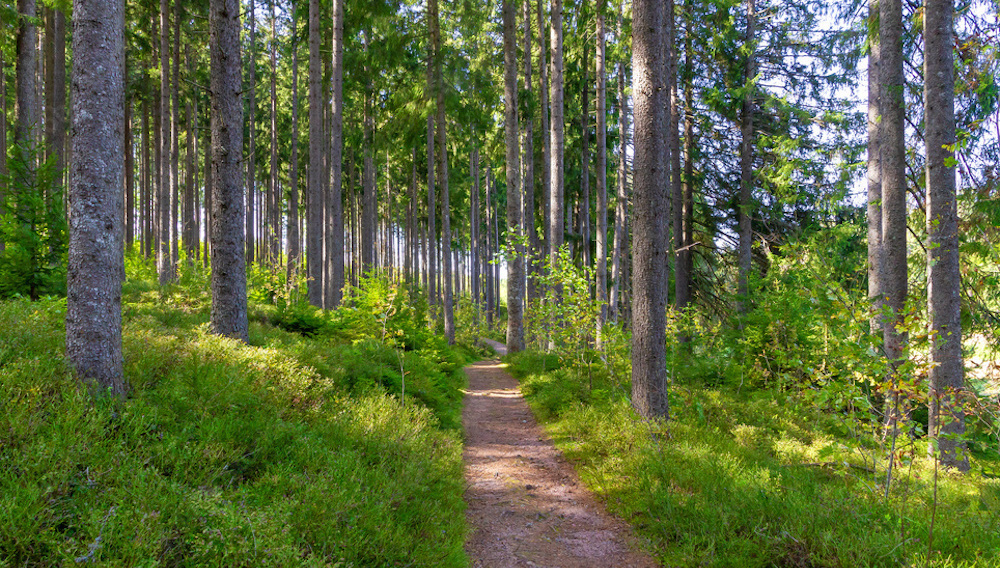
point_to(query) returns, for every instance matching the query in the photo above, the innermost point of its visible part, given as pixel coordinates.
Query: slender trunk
(165, 264)
(209, 199)
(294, 252)
(474, 231)
(531, 255)
(746, 171)
(129, 173)
(432, 28)
(175, 121)
(96, 264)
(944, 279)
(619, 256)
(146, 193)
(3, 137)
(893, 277)
(488, 251)
(411, 214)
(602, 177)
(543, 91)
(584, 211)
(274, 199)
(314, 210)
(556, 173)
(515, 266)
(335, 207)
(58, 88)
(229, 284)
(685, 237)
(673, 138)
(190, 219)
(649, 365)
(369, 215)
(874, 172)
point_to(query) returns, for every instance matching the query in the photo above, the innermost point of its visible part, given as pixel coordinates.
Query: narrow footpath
(527, 507)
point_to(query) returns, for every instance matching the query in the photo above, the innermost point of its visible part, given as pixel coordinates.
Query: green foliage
(289, 451)
(32, 227)
(758, 479)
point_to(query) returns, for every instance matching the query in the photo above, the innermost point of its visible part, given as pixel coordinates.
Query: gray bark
(746, 170)
(368, 207)
(531, 257)
(432, 28)
(96, 262)
(190, 220)
(474, 234)
(944, 279)
(314, 203)
(251, 157)
(294, 252)
(543, 91)
(175, 121)
(556, 149)
(685, 238)
(26, 101)
(515, 274)
(619, 255)
(274, 201)
(602, 177)
(649, 368)
(892, 260)
(335, 207)
(874, 171)
(229, 284)
(165, 261)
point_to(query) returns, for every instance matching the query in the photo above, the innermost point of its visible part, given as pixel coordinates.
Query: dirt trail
(527, 507)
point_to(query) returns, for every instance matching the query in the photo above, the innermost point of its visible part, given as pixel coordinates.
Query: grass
(291, 451)
(760, 478)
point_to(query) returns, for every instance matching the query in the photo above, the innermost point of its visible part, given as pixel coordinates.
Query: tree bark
(175, 122)
(190, 221)
(251, 157)
(602, 177)
(129, 174)
(96, 263)
(556, 174)
(746, 169)
(543, 91)
(274, 199)
(229, 284)
(165, 261)
(515, 270)
(314, 209)
(531, 256)
(335, 208)
(369, 215)
(944, 279)
(294, 252)
(474, 234)
(892, 262)
(584, 211)
(673, 138)
(619, 255)
(874, 170)
(432, 27)
(685, 238)
(26, 125)
(649, 366)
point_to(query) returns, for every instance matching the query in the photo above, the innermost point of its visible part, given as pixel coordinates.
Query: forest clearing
(500, 283)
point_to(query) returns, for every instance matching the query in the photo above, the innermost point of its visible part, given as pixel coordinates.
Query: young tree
(515, 276)
(96, 262)
(335, 209)
(944, 280)
(649, 364)
(165, 261)
(229, 283)
(602, 175)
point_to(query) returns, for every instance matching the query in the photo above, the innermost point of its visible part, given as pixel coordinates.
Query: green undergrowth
(321, 449)
(761, 478)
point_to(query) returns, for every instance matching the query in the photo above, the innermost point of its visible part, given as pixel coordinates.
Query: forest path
(527, 507)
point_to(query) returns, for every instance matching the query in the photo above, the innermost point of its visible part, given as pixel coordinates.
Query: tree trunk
(190, 221)
(474, 237)
(335, 207)
(515, 265)
(556, 174)
(369, 216)
(175, 130)
(146, 195)
(26, 112)
(432, 28)
(585, 155)
(165, 262)
(96, 264)
(649, 365)
(531, 255)
(294, 252)
(488, 251)
(129, 174)
(746, 170)
(543, 91)
(209, 200)
(944, 279)
(673, 138)
(274, 200)
(446, 276)
(619, 255)
(602, 177)
(314, 209)
(685, 238)
(251, 157)
(892, 263)
(874, 172)
(229, 284)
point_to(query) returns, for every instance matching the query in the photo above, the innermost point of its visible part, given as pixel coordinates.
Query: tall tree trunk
(209, 199)
(673, 138)
(432, 27)
(369, 215)
(488, 251)
(585, 156)
(411, 212)
(602, 177)
(146, 195)
(294, 252)
(129, 174)
(531, 255)
(874, 171)
(746, 169)
(229, 283)
(96, 264)
(556, 174)
(251, 157)
(619, 256)
(274, 201)
(543, 91)
(515, 270)
(685, 237)
(944, 279)
(190, 221)
(314, 209)
(474, 236)
(449, 314)
(649, 364)
(335, 207)
(175, 130)
(892, 263)
(3, 137)
(57, 142)
(165, 262)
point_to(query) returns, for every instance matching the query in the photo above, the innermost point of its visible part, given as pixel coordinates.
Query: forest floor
(526, 504)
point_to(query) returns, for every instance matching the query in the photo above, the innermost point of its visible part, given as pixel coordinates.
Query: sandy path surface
(527, 507)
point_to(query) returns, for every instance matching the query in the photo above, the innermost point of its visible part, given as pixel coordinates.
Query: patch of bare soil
(527, 507)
